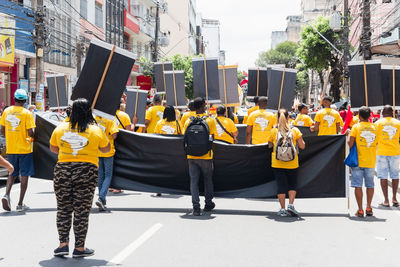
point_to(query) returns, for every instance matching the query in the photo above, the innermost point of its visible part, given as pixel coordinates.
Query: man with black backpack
(199, 133)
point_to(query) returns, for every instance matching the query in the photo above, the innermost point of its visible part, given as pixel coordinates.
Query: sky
(246, 26)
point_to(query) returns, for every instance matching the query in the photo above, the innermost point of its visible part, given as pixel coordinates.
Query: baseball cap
(20, 94)
(301, 106)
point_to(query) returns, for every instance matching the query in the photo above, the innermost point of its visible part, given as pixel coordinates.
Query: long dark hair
(81, 115)
(169, 113)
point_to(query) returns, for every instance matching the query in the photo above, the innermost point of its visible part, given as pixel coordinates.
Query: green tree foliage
(302, 79)
(284, 53)
(240, 76)
(318, 55)
(146, 67)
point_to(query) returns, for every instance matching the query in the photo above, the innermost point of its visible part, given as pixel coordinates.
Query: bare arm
(4, 163)
(31, 132)
(315, 128)
(249, 130)
(105, 149)
(351, 141)
(54, 149)
(3, 131)
(235, 135)
(270, 144)
(338, 128)
(114, 136)
(301, 143)
(146, 125)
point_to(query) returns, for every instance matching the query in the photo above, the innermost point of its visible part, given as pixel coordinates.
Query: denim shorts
(388, 165)
(23, 164)
(358, 175)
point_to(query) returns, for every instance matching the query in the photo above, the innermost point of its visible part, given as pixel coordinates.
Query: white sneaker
(292, 211)
(6, 203)
(22, 207)
(283, 213)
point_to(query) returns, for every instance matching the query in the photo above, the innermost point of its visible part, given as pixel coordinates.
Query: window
(83, 9)
(98, 15)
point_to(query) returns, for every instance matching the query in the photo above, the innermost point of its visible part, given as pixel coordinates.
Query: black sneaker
(80, 254)
(61, 252)
(196, 212)
(209, 207)
(100, 204)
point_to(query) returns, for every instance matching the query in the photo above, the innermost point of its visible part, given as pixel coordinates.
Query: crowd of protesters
(85, 147)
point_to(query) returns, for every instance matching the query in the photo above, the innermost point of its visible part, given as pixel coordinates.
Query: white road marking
(120, 257)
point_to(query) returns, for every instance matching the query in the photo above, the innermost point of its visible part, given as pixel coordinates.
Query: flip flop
(395, 204)
(385, 205)
(360, 213)
(369, 212)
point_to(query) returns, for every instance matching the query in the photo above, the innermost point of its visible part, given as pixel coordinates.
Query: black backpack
(197, 139)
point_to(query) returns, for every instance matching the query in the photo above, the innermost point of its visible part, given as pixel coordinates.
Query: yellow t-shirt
(177, 115)
(365, 134)
(236, 119)
(388, 136)
(294, 164)
(186, 116)
(17, 121)
(78, 147)
(213, 131)
(252, 109)
(154, 114)
(262, 122)
(168, 127)
(354, 121)
(229, 126)
(303, 120)
(109, 127)
(124, 118)
(327, 118)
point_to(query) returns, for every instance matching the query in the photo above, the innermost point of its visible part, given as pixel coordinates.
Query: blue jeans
(388, 166)
(105, 175)
(360, 175)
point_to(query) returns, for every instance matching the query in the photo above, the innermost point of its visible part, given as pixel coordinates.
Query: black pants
(286, 179)
(74, 185)
(197, 167)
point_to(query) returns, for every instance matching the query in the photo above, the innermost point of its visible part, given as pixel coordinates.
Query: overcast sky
(246, 25)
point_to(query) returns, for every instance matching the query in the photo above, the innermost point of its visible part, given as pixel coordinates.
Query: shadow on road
(57, 261)
(367, 219)
(285, 219)
(167, 196)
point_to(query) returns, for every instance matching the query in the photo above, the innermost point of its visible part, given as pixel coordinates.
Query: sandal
(385, 205)
(360, 213)
(369, 212)
(395, 204)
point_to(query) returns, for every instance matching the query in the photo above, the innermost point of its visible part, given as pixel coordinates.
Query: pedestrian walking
(327, 120)
(17, 125)
(199, 132)
(388, 154)
(364, 136)
(285, 161)
(77, 144)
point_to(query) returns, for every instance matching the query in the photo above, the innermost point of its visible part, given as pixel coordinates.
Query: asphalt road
(144, 230)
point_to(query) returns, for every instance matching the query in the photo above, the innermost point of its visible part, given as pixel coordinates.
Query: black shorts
(286, 179)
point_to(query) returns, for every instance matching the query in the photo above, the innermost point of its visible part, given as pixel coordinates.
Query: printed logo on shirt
(168, 129)
(160, 114)
(300, 123)
(75, 141)
(220, 131)
(262, 122)
(329, 119)
(368, 136)
(13, 120)
(390, 130)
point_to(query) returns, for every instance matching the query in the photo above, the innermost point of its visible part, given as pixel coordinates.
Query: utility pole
(155, 48)
(39, 41)
(346, 46)
(365, 40)
(80, 46)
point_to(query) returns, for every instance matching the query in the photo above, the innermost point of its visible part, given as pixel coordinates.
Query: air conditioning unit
(335, 21)
(163, 41)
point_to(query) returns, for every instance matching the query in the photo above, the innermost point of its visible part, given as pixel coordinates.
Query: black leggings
(286, 179)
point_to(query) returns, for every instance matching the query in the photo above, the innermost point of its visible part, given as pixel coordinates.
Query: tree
(318, 55)
(146, 67)
(284, 53)
(240, 76)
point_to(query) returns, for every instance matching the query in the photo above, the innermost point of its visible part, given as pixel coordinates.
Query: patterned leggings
(74, 185)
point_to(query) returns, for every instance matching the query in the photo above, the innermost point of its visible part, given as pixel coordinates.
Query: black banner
(148, 163)
(387, 85)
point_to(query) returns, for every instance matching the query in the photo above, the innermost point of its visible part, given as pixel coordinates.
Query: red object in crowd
(347, 120)
(243, 82)
(374, 116)
(144, 82)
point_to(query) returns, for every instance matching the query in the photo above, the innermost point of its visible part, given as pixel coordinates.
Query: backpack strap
(122, 125)
(178, 127)
(223, 128)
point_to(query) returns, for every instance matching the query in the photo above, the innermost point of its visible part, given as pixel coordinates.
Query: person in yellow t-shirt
(303, 119)
(191, 112)
(169, 124)
(260, 124)
(226, 129)
(17, 125)
(388, 154)
(201, 164)
(122, 120)
(327, 120)
(77, 144)
(354, 121)
(154, 114)
(285, 172)
(106, 161)
(251, 110)
(364, 135)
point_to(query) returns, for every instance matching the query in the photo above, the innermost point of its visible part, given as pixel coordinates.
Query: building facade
(278, 37)
(211, 37)
(293, 29)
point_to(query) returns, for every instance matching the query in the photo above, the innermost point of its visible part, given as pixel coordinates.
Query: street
(143, 230)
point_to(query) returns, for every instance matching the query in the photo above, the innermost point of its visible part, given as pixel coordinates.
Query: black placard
(115, 80)
(200, 78)
(387, 85)
(136, 104)
(58, 94)
(260, 75)
(175, 82)
(275, 84)
(158, 69)
(228, 85)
